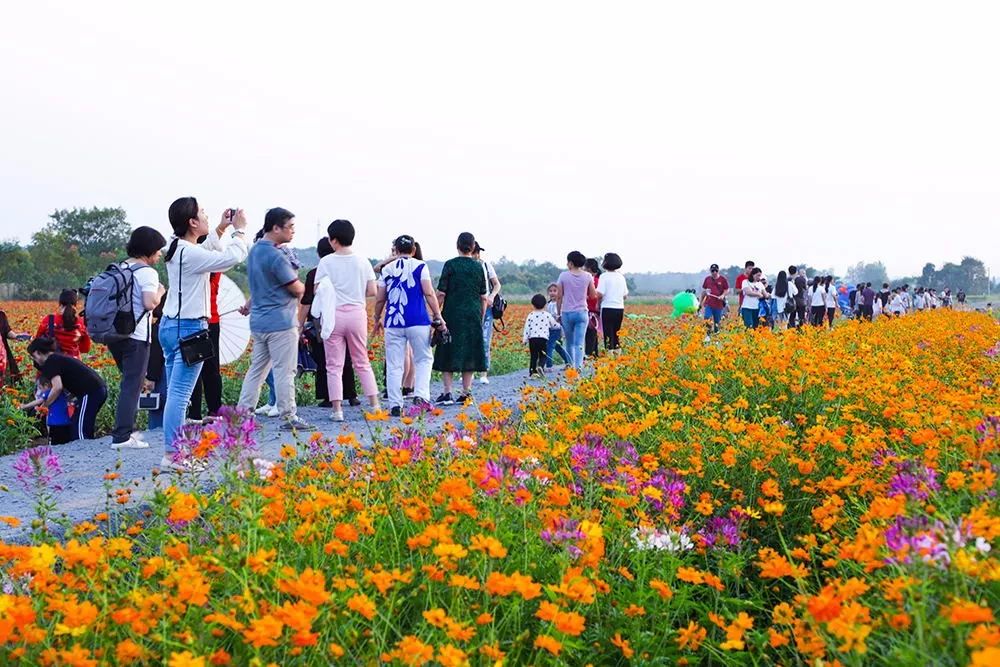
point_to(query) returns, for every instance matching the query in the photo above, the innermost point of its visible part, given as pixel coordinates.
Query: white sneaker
(484, 380)
(183, 467)
(132, 443)
(337, 416)
(267, 411)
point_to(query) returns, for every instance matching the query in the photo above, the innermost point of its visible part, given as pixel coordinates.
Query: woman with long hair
(753, 291)
(66, 327)
(817, 301)
(187, 308)
(781, 296)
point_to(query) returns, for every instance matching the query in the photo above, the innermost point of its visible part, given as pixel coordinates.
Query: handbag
(197, 347)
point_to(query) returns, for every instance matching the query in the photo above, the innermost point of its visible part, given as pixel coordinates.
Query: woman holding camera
(186, 310)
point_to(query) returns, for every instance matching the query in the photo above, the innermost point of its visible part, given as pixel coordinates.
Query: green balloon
(685, 303)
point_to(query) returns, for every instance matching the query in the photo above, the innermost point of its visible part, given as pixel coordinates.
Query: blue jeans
(272, 393)
(555, 345)
(751, 317)
(488, 333)
(156, 416)
(714, 314)
(180, 377)
(575, 325)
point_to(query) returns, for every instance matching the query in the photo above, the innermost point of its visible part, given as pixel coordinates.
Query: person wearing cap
(406, 294)
(714, 289)
(492, 292)
(462, 288)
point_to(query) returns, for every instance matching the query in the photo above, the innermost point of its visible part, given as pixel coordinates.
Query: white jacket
(324, 306)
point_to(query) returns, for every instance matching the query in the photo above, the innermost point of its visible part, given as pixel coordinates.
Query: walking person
(462, 290)
(131, 355)
(275, 290)
(493, 291)
(317, 350)
(187, 308)
(830, 300)
(537, 325)
(11, 373)
(714, 289)
(817, 301)
(65, 327)
(576, 286)
(867, 298)
(594, 326)
(782, 299)
(554, 345)
(70, 375)
(406, 294)
(352, 281)
(612, 290)
(742, 278)
(800, 286)
(753, 292)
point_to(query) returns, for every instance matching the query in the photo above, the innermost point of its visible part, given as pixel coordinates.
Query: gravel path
(85, 462)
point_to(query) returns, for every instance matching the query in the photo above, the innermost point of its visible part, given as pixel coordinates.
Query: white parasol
(234, 328)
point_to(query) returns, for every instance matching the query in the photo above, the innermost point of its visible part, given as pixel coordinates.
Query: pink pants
(349, 332)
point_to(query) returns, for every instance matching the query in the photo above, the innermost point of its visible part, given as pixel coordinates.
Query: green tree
(95, 231)
(862, 272)
(15, 262)
(56, 263)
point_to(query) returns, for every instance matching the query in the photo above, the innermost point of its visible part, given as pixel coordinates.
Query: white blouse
(818, 296)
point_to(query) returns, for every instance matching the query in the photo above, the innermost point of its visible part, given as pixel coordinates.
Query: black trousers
(830, 312)
(536, 347)
(85, 415)
(611, 321)
(60, 435)
(797, 317)
(817, 315)
(131, 356)
(590, 342)
(209, 382)
(318, 353)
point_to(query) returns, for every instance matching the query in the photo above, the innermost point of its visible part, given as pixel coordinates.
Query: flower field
(821, 497)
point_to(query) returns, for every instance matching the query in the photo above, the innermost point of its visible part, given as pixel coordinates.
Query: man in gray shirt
(275, 290)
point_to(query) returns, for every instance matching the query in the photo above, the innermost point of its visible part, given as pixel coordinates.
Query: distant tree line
(78, 243)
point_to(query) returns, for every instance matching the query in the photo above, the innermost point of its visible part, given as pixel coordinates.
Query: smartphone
(230, 213)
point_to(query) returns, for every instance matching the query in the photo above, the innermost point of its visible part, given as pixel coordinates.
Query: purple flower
(722, 531)
(565, 534)
(36, 468)
(913, 480)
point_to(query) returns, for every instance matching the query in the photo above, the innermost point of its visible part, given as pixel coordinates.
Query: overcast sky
(680, 136)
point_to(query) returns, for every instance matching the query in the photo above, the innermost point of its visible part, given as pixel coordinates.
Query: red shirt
(740, 279)
(592, 302)
(716, 288)
(72, 343)
(213, 286)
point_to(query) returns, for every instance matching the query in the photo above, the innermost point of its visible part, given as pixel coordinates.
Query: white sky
(676, 136)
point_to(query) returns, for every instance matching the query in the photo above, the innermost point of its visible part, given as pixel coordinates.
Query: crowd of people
(164, 339)
(795, 300)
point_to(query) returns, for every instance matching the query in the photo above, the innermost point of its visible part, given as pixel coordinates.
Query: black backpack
(499, 308)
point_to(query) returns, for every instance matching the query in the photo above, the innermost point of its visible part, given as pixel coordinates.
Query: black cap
(714, 267)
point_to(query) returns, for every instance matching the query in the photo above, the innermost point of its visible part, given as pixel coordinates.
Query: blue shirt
(404, 294)
(272, 307)
(58, 411)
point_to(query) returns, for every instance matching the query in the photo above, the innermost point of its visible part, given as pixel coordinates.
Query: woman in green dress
(462, 286)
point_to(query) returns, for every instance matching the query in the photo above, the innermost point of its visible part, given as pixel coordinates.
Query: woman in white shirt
(753, 291)
(353, 281)
(817, 301)
(830, 300)
(784, 291)
(612, 290)
(186, 310)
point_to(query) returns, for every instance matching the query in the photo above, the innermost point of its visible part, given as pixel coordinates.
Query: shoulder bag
(196, 347)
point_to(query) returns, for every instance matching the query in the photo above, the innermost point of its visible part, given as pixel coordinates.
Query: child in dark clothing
(57, 420)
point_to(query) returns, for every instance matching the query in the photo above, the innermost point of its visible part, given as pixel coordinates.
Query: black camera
(230, 214)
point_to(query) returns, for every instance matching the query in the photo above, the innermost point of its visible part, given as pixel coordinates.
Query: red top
(213, 282)
(72, 343)
(716, 288)
(740, 279)
(3, 363)
(592, 302)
